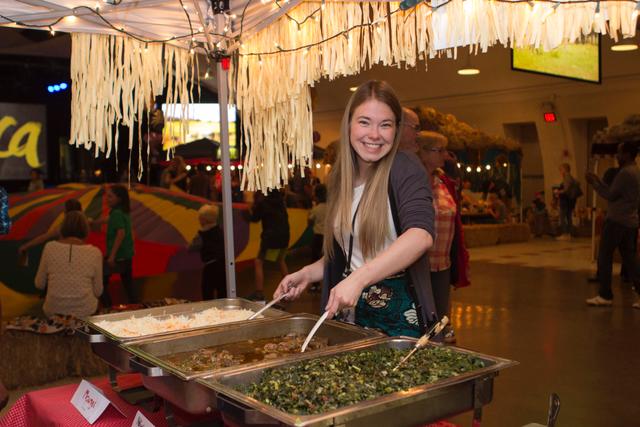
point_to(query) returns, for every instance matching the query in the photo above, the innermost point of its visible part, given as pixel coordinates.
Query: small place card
(141, 421)
(89, 401)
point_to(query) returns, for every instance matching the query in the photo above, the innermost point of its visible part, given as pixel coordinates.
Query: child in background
(35, 183)
(210, 243)
(541, 223)
(316, 220)
(119, 256)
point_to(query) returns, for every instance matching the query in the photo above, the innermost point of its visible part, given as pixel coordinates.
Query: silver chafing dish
(419, 405)
(106, 345)
(177, 386)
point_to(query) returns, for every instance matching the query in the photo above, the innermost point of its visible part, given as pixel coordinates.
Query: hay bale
(30, 359)
(492, 234)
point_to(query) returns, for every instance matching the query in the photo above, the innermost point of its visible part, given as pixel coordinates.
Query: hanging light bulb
(208, 168)
(458, 165)
(488, 167)
(478, 169)
(468, 169)
(52, 31)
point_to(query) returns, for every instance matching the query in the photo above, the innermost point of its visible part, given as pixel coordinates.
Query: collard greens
(321, 385)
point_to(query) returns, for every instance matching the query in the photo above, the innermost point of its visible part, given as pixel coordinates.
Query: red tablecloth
(52, 407)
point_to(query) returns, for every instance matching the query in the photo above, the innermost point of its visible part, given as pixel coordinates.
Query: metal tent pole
(227, 208)
(593, 215)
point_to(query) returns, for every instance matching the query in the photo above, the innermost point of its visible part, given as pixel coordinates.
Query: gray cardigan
(413, 203)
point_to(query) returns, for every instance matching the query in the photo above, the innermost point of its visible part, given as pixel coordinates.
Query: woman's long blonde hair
(373, 224)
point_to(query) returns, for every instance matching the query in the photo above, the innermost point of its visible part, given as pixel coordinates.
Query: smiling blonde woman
(379, 224)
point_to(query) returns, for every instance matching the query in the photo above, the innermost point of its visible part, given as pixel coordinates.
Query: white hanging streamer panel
(115, 80)
(272, 91)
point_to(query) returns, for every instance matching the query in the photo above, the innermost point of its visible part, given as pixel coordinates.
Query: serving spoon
(435, 330)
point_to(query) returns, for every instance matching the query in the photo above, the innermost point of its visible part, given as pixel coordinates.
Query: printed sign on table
(90, 401)
(141, 421)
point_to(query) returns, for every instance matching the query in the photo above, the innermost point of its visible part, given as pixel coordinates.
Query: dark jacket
(212, 248)
(413, 201)
(272, 212)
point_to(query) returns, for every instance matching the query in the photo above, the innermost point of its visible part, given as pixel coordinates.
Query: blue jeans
(566, 213)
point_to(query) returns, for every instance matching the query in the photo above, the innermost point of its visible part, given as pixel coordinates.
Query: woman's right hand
(294, 284)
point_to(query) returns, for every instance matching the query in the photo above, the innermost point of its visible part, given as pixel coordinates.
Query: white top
(72, 275)
(317, 215)
(357, 260)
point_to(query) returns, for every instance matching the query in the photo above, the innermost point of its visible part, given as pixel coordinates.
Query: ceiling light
(468, 71)
(624, 47)
(353, 88)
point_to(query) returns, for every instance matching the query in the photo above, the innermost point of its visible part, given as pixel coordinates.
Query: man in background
(410, 129)
(621, 223)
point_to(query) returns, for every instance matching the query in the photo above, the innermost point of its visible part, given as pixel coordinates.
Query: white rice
(147, 325)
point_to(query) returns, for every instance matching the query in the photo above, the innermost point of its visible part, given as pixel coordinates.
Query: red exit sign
(550, 117)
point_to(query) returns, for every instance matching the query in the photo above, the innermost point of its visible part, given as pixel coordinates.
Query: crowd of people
(387, 269)
(391, 269)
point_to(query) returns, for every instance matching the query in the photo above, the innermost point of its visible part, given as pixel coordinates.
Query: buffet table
(52, 407)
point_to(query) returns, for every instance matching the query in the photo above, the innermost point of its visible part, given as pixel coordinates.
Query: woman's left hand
(344, 295)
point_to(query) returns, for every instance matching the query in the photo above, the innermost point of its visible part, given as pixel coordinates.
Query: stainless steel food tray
(175, 385)
(419, 405)
(107, 345)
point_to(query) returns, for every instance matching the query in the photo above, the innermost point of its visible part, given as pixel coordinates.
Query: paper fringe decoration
(272, 91)
(115, 80)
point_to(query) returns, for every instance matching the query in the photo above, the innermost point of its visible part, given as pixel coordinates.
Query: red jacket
(459, 254)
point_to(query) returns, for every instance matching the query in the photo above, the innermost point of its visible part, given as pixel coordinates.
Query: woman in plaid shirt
(432, 150)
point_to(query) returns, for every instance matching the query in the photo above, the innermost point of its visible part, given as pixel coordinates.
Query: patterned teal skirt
(388, 307)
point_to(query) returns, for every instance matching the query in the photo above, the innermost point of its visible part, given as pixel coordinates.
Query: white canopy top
(146, 19)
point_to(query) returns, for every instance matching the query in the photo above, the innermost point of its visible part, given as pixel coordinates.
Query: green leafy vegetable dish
(320, 385)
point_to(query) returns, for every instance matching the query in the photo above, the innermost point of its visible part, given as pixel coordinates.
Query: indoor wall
(499, 96)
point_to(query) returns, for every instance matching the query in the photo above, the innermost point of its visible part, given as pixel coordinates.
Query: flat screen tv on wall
(204, 122)
(576, 61)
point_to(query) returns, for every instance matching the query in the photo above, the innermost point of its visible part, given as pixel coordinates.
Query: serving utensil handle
(266, 307)
(313, 331)
(435, 330)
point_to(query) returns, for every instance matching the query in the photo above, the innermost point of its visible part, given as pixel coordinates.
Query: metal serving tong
(267, 306)
(313, 331)
(422, 342)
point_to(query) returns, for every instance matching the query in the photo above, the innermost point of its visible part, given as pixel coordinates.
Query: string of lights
(193, 39)
(410, 5)
(406, 5)
(120, 30)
